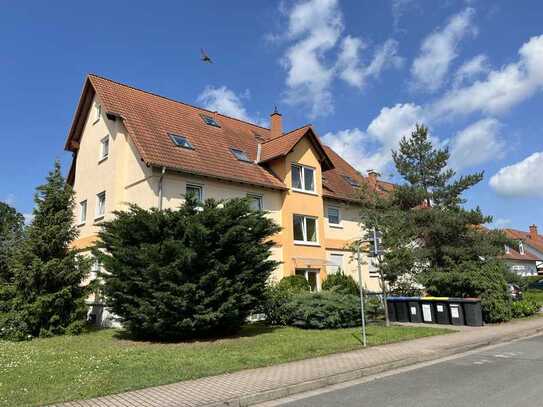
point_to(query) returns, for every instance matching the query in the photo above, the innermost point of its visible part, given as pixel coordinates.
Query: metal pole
(360, 283)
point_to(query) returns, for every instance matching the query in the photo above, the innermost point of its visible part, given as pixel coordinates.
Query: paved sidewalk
(258, 385)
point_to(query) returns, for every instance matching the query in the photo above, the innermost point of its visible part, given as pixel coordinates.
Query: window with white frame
(520, 247)
(82, 212)
(305, 229)
(97, 113)
(312, 276)
(255, 202)
(100, 204)
(335, 263)
(104, 148)
(195, 191)
(95, 268)
(333, 216)
(303, 178)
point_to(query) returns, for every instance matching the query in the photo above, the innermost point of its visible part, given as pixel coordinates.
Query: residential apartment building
(131, 146)
(526, 258)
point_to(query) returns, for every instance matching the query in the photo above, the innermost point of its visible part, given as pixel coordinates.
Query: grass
(51, 370)
(536, 295)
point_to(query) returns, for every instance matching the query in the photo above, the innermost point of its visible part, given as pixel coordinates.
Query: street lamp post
(360, 283)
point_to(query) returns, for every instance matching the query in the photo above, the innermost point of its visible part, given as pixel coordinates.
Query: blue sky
(362, 72)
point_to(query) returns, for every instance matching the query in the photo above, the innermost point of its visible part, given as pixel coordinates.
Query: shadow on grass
(246, 331)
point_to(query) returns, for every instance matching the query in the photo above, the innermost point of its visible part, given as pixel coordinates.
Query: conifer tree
(450, 239)
(48, 273)
(11, 232)
(195, 271)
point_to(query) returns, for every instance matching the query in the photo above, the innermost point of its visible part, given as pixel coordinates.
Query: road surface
(507, 375)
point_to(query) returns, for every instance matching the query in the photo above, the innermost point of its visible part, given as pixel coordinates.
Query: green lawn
(97, 363)
(536, 295)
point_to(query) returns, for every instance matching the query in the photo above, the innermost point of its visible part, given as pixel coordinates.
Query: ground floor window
(312, 276)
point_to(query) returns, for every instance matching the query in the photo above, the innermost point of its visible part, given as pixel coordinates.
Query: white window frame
(100, 205)
(302, 178)
(521, 247)
(306, 276)
(306, 242)
(97, 113)
(195, 186)
(104, 152)
(83, 206)
(334, 225)
(258, 198)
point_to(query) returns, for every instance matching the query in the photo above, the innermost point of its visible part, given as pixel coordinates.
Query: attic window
(240, 155)
(351, 181)
(210, 121)
(181, 141)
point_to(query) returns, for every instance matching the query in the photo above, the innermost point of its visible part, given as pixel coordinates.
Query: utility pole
(360, 285)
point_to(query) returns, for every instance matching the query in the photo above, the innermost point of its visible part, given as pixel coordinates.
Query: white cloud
(385, 131)
(470, 69)
(501, 89)
(316, 26)
(315, 30)
(439, 49)
(385, 56)
(398, 10)
(349, 63)
(351, 71)
(520, 179)
(500, 223)
(9, 199)
(477, 144)
(29, 217)
(225, 101)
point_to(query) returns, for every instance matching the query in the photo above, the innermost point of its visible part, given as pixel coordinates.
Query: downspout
(160, 188)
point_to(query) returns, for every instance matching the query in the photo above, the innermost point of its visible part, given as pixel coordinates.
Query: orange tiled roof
(515, 234)
(515, 255)
(150, 118)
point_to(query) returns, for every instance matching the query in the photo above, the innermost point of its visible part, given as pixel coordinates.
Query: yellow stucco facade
(126, 179)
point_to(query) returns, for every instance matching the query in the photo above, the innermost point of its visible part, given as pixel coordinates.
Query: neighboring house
(132, 146)
(527, 258)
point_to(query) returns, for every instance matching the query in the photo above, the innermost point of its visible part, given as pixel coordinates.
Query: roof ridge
(174, 100)
(284, 134)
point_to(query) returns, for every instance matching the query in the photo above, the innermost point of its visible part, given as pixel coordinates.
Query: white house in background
(526, 258)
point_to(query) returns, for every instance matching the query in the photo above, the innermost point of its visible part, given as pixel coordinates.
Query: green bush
(473, 279)
(325, 310)
(294, 284)
(277, 305)
(374, 308)
(196, 271)
(530, 281)
(524, 308)
(341, 283)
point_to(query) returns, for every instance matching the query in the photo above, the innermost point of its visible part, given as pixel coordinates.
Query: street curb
(424, 356)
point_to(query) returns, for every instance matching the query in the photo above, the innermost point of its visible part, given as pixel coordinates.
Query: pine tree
(425, 169)
(11, 233)
(48, 273)
(449, 238)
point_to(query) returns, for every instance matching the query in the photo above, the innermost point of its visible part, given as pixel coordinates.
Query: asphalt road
(509, 375)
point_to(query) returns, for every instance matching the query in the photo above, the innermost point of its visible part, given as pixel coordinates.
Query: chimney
(533, 232)
(276, 124)
(372, 178)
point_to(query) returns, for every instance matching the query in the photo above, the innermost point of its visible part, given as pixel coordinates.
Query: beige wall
(126, 179)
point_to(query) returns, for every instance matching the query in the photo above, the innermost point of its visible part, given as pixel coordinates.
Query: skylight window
(210, 121)
(351, 181)
(181, 141)
(240, 155)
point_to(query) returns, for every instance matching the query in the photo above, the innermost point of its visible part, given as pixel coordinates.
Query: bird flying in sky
(205, 57)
